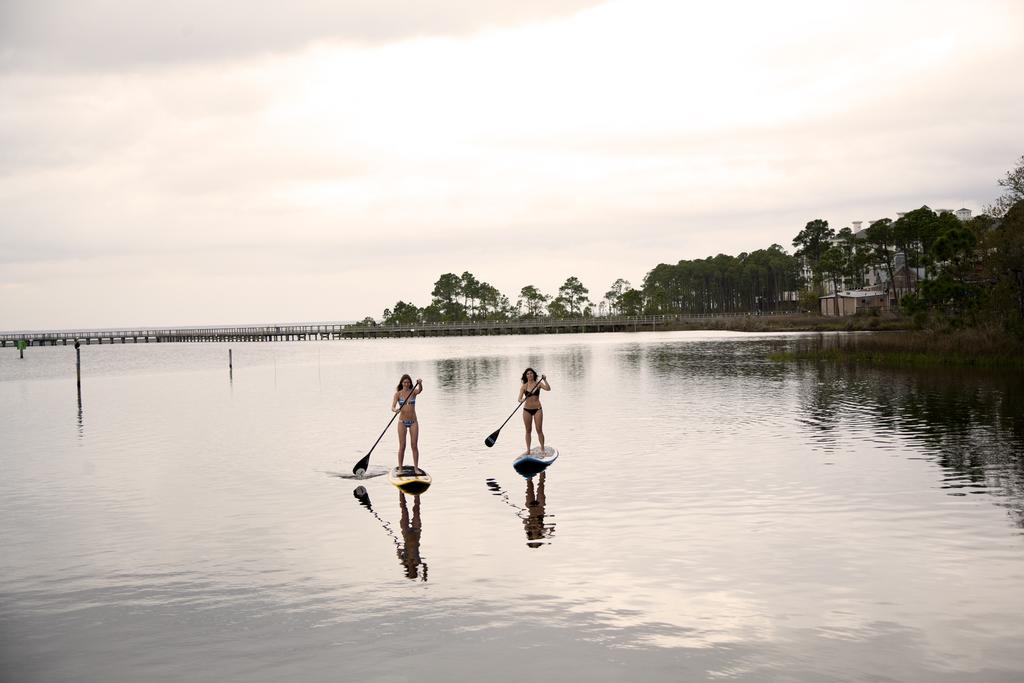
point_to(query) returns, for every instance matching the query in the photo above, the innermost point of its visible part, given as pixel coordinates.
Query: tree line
(764, 280)
(967, 270)
(458, 298)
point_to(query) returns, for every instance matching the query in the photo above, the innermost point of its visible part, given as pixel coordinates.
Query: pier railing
(323, 331)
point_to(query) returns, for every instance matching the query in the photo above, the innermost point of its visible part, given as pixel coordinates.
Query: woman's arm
(394, 403)
(522, 392)
(544, 383)
(418, 389)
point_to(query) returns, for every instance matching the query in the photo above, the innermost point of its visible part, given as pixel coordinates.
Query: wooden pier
(326, 331)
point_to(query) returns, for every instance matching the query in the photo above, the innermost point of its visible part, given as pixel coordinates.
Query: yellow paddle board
(406, 479)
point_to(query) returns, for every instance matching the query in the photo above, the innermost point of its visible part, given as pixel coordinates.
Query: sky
(247, 161)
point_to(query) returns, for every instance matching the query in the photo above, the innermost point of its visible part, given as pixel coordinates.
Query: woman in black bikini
(533, 414)
(404, 403)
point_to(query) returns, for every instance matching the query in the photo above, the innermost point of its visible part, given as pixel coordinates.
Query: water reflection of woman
(404, 403)
(409, 550)
(534, 521)
(533, 414)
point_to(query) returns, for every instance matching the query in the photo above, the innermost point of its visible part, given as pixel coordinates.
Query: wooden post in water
(231, 368)
(78, 367)
(21, 348)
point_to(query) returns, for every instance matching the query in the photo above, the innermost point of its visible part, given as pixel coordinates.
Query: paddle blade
(492, 439)
(360, 468)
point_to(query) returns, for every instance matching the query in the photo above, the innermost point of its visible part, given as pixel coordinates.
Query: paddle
(365, 460)
(493, 438)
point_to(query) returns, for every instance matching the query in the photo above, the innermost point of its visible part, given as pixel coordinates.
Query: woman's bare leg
(414, 431)
(539, 420)
(528, 421)
(401, 444)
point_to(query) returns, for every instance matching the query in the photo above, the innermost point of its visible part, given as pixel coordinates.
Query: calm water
(713, 515)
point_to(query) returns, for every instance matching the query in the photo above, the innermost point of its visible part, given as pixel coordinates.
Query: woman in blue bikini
(533, 414)
(404, 403)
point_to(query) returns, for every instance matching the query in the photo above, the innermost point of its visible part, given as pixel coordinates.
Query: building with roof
(852, 302)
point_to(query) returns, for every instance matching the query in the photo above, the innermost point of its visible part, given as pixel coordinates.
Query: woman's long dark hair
(529, 370)
(412, 385)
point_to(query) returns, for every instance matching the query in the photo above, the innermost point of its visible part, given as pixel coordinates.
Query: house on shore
(852, 302)
(872, 287)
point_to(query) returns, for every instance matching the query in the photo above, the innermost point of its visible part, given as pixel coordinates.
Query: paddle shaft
(361, 465)
(535, 388)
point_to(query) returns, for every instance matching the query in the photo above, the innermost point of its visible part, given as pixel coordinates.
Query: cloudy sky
(249, 161)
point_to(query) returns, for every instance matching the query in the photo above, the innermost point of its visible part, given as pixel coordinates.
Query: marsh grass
(978, 347)
(796, 323)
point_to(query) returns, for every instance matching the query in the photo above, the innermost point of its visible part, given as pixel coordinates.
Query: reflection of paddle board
(537, 460)
(406, 479)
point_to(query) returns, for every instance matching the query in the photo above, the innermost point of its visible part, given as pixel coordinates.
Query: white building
(963, 214)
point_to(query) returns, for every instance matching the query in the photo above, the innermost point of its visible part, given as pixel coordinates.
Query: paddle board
(406, 479)
(536, 461)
